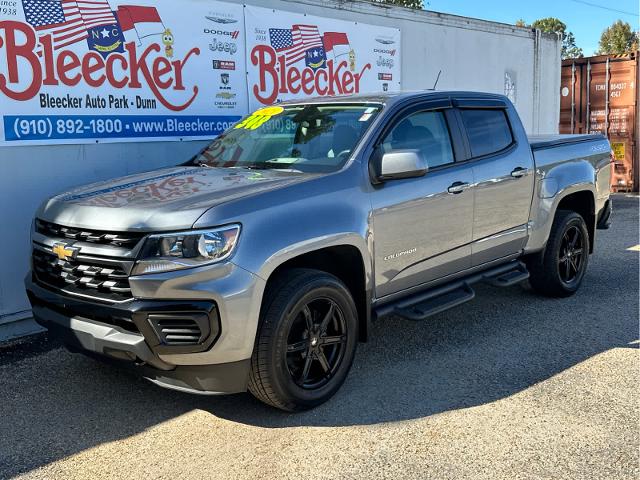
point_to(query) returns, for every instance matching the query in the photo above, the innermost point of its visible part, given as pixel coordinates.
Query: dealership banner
(292, 55)
(85, 71)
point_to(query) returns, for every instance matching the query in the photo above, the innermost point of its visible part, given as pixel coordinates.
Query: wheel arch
(580, 197)
(582, 202)
(345, 261)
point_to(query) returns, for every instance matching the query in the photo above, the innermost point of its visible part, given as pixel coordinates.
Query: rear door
(422, 226)
(503, 174)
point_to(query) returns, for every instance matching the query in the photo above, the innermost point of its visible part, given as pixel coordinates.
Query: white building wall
(471, 54)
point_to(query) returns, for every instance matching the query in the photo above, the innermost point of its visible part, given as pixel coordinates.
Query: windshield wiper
(265, 166)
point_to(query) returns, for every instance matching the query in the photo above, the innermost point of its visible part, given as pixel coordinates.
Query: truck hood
(172, 198)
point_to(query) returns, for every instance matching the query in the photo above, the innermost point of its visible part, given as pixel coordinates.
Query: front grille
(119, 239)
(82, 277)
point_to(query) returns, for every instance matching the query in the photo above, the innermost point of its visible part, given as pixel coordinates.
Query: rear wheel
(307, 340)
(559, 269)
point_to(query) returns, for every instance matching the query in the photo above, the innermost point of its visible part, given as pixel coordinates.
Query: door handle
(519, 172)
(458, 187)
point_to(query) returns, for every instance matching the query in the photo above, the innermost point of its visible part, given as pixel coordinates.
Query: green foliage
(550, 25)
(569, 47)
(417, 4)
(554, 25)
(618, 39)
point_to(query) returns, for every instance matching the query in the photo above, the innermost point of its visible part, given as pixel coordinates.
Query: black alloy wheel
(306, 340)
(572, 252)
(559, 269)
(316, 343)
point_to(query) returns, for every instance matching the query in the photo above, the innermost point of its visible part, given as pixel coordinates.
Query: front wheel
(559, 269)
(306, 342)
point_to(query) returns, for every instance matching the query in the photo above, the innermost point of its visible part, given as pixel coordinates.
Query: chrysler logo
(64, 251)
(222, 20)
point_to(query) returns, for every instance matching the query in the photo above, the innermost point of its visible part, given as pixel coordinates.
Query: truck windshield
(297, 138)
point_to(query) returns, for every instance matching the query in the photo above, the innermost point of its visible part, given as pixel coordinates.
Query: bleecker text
(276, 78)
(119, 70)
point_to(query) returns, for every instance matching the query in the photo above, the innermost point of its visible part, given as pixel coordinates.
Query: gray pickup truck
(261, 263)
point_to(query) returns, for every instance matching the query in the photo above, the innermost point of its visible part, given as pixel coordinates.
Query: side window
(426, 132)
(488, 131)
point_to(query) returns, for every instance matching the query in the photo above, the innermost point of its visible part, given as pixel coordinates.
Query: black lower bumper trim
(131, 343)
(224, 378)
(127, 350)
(84, 334)
(135, 316)
(220, 379)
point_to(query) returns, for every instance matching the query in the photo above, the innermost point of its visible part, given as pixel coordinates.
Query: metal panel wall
(470, 54)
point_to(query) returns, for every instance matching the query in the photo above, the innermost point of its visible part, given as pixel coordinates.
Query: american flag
(96, 13)
(66, 21)
(294, 43)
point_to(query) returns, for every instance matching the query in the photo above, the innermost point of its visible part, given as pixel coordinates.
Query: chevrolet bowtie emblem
(64, 252)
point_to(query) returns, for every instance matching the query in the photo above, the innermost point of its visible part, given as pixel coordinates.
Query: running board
(513, 277)
(432, 306)
(423, 305)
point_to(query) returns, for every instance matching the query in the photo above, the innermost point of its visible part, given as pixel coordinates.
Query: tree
(417, 4)
(618, 39)
(569, 47)
(554, 25)
(521, 23)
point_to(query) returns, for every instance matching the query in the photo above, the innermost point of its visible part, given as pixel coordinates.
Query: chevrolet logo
(65, 252)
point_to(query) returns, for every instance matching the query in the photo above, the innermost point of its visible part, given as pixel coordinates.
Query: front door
(422, 227)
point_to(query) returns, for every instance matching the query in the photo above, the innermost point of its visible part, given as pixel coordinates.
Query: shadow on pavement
(55, 404)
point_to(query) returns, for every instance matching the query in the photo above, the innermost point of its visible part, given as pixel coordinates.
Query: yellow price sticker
(259, 118)
(269, 111)
(618, 150)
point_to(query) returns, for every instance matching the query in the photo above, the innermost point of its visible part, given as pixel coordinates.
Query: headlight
(175, 251)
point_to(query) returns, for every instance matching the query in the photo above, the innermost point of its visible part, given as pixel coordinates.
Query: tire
(295, 367)
(553, 273)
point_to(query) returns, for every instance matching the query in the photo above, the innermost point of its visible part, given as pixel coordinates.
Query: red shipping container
(600, 95)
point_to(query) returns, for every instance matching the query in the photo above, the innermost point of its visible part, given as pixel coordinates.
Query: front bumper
(125, 333)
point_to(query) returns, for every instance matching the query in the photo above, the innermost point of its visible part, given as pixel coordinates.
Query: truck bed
(539, 142)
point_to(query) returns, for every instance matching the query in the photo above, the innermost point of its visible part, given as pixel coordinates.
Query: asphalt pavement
(511, 385)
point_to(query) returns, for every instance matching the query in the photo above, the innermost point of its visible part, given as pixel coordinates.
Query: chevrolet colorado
(260, 263)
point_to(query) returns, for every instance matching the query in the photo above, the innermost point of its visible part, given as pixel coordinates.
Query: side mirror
(401, 164)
